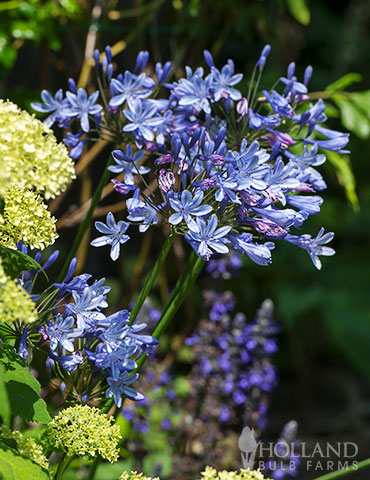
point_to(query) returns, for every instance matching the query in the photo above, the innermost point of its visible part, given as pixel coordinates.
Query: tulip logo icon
(248, 446)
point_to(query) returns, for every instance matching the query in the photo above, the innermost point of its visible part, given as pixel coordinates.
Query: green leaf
(344, 82)
(353, 119)
(300, 11)
(22, 389)
(4, 400)
(362, 100)
(15, 262)
(345, 176)
(14, 466)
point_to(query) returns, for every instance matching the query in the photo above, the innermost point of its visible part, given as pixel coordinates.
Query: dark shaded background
(324, 352)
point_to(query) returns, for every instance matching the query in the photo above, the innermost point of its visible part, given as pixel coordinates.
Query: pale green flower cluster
(25, 217)
(212, 474)
(135, 476)
(15, 302)
(85, 431)
(26, 446)
(30, 153)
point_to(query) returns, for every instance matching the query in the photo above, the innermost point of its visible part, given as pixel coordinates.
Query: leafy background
(324, 356)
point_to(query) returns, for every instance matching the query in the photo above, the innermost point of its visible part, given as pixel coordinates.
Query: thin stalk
(345, 471)
(62, 466)
(85, 224)
(152, 277)
(193, 270)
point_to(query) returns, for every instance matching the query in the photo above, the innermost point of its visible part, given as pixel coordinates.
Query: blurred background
(323, 360)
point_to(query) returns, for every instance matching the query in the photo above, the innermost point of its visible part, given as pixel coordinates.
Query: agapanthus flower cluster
(85, 431)
(244, 474)
(81, 337)
(26, 446)
(222, 169)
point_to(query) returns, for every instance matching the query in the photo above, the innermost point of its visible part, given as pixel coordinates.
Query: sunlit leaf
(300, 11)
(344, 82)
(343, 170)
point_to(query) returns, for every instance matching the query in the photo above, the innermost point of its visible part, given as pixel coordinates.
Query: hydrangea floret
(15, 303)
(244, 474)
(25, 217)
(136, 476)
(85, 431)
(31, 154)
(26, 446)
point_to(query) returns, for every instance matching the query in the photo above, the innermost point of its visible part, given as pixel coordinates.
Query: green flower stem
(182, 288)
(345, 471)
(85, 224)
(152, 277)
(66, 460)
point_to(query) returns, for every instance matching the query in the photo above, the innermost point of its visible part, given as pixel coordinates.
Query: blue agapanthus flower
(81, 105)
(127, 88)
(62, 333)
(187, 206)
(114, 235)
(315, 247)
(128, 163)
(54, 106)
(142, 119)
(119, 387)
(205, 237)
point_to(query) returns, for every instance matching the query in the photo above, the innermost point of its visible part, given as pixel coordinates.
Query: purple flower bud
(97, 58)
(71, 269)
(110, 72)
(242, 107)
(176, 146)
(108, 53)
(122, 188)
(291, 70)
(266, 50)
(72, 85)
(166, 180)
(98, 118)
(23, 351)
(163, 160)
(220, 137)
(51, 260)
(104, 63)
(307, 75)
(141, 61)
(208, 58)
(261, 63)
